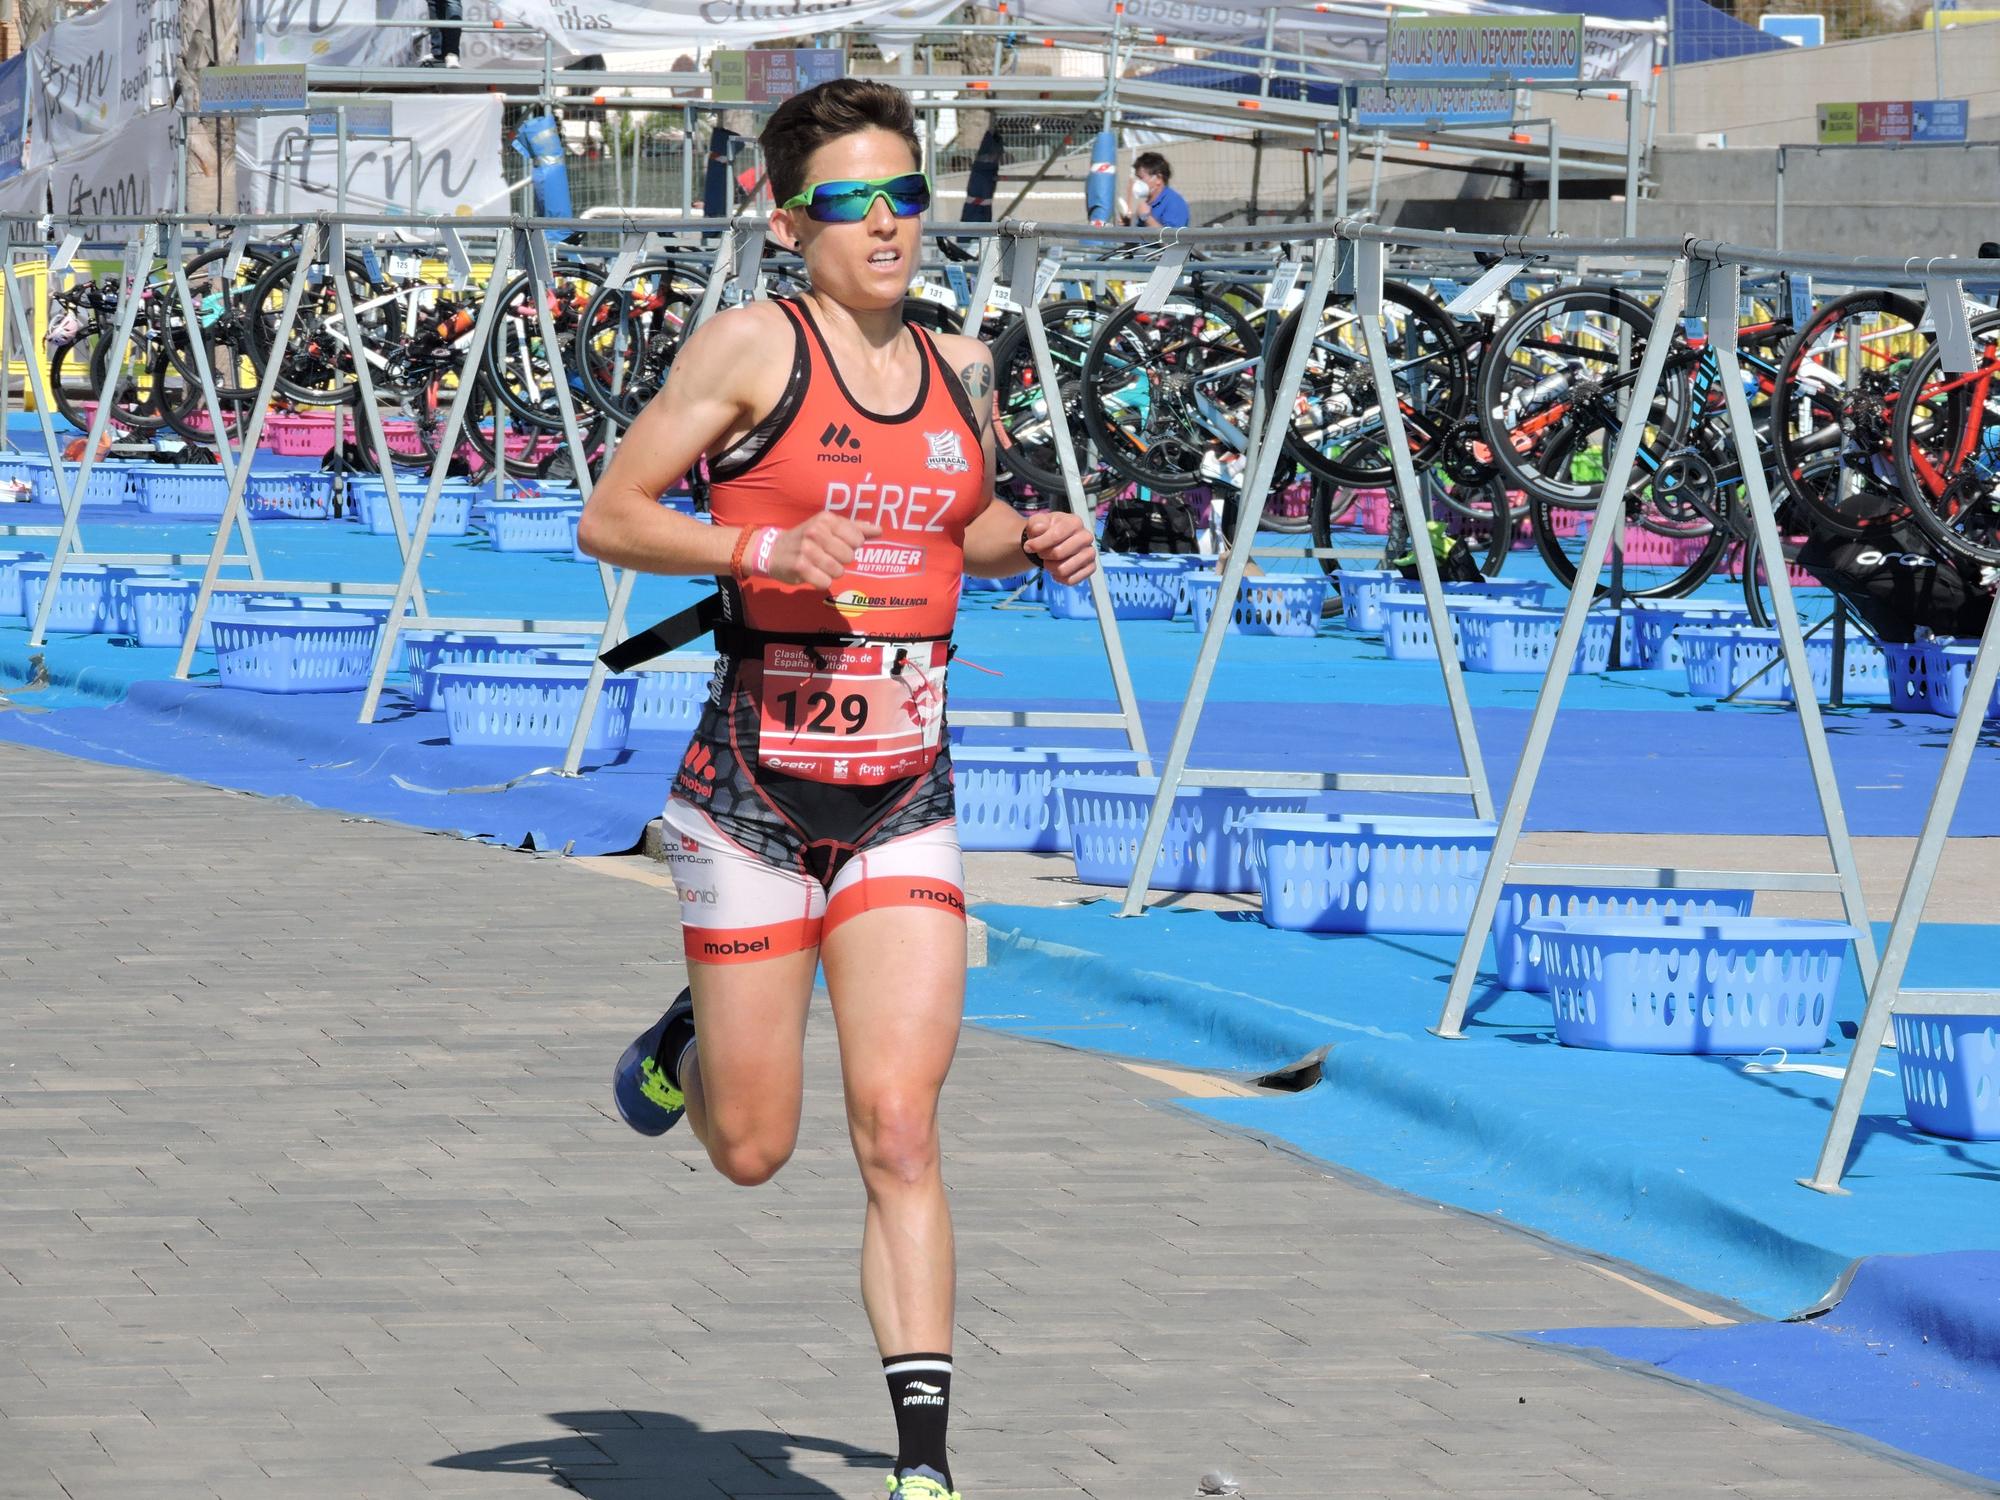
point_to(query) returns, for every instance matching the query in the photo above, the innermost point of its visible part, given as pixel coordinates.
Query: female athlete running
(851, 460)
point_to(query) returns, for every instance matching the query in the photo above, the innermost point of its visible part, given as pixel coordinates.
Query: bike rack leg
(461, 402)
(1569, 635)
(617, 588)
(1025, 262)
(1722, 304)
(1249, 511)
(253, 432)
(131, 277)
(1368, 302)
(227, 456)
(1886, 988)
(38, 386)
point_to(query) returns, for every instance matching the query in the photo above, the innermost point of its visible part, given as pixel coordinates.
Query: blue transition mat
(1683, 1165)
(1908, 1356)
(1632, 752)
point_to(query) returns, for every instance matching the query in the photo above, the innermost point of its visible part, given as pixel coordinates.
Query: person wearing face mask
(1154, 200)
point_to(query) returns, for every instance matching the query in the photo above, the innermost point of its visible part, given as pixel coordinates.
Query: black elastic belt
(698, 619)
(670, 634)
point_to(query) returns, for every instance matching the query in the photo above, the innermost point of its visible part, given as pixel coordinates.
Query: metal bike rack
(235, 508)
(138, 254)
(1364, 275)
(1721, 309)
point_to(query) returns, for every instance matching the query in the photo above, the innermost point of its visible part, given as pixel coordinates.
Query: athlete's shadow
(647, 1453)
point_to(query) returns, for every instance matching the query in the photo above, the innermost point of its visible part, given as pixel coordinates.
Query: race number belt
(854, 714)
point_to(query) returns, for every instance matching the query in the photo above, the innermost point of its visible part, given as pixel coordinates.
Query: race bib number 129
(851, 715)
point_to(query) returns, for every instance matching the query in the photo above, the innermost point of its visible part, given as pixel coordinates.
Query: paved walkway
(307, 1190)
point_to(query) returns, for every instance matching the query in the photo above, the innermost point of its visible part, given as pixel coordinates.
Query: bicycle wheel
(1336, 426)
(1555, 387)
(1167, 392)
(1024, 435)
(1834, 406)
(1488, 543)
(1654, 566)
(77, 369)
(1946, 438)
(517, 362)
(631, 333)
(223, 310)
(316, 367)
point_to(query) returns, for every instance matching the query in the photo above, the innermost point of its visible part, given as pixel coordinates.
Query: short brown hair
(845, 106)
(1152, 161)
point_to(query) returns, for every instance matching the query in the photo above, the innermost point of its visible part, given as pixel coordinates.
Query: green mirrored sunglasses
(847, 200)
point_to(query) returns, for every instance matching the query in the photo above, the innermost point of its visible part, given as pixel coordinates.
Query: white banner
(77, 76)
(333, 33)
(27, 193)
(612, 27)
(442, 156)
(1611, 49)
(130, 172)
(153, 49)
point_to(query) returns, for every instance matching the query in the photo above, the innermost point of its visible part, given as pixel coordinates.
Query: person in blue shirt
(1159, 205)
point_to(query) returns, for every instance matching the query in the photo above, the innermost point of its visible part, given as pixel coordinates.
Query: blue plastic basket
(1738, 984)
(1951, 1074)
(85, 603)
(1908, 668)
(1141, 589)
(1515, 638)
(1208, 846)
(1529, 591)
(1951, 671)
(26, 476)
(1355, 873)
(530, 525)
(111, 481)
(295, 651)
(1720, 659)
(159, 608)
(529, 703)
(1649, 642)
(176, 490)
(1007, 798)
(10, 578)
(371, 501)
(424, 651)
(672, 694)
(302, 494)
(1361, 593)
(1268, 605)
(975, 585)
(1518, 954)
(1406, 627)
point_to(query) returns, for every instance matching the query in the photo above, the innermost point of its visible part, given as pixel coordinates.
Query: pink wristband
(761, 550)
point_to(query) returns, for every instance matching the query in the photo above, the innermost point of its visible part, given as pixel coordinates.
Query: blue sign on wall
(1938, 119)
(1800, 31)
(13, 114)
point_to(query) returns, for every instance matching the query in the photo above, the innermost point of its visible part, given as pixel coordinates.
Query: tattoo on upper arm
(977, 378)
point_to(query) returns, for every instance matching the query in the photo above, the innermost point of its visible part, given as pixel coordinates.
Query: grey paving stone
(309, 1187)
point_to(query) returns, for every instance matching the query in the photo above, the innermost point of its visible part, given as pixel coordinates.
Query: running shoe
(920, 1487)
(646, 1100)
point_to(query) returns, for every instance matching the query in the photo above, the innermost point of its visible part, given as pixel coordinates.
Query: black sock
(673, 1042)
(920, 1390)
